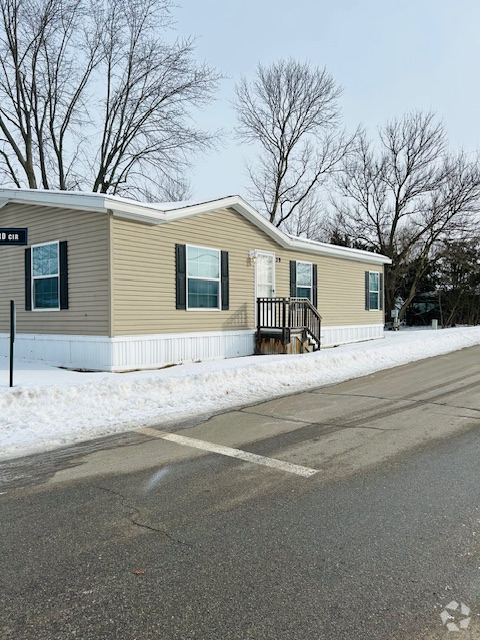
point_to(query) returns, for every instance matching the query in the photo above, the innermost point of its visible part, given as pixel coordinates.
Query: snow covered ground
(49, 407)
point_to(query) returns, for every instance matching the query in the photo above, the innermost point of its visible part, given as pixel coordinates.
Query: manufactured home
(110, 284)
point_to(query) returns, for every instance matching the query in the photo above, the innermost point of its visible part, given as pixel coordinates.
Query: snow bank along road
(49, 408)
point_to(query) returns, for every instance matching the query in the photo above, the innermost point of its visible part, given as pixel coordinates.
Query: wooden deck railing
(287, 314)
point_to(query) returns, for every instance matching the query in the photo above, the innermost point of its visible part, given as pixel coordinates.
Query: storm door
(265, 284)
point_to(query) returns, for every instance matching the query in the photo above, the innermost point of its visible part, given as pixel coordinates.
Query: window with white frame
(374, 291)
(46, 276)
(304, 280)
(203, 278)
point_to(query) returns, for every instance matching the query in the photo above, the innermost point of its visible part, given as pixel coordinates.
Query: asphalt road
(142, 537)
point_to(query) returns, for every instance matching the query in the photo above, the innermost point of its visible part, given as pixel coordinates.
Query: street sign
(13, 236)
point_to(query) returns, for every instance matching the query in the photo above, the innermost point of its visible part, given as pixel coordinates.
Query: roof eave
(237, 203)
(336, 251)
(91, 202)
(153, 215)
(306, 246)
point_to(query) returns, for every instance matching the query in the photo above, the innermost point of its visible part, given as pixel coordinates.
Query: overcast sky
(389, 57)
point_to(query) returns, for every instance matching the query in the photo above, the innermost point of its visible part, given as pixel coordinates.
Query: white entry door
(264, 285)
(265, 275)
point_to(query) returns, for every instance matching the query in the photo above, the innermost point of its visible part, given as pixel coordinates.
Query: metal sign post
(12, 337)
(11, 236)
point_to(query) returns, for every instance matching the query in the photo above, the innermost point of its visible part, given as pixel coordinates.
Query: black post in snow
(12, 337)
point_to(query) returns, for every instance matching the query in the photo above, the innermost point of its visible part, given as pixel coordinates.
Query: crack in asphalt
(410, 398)
(409, 401)
(370, 414)
(134, 519)
(324, 425)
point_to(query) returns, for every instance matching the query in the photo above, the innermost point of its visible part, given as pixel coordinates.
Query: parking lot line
(305, 472)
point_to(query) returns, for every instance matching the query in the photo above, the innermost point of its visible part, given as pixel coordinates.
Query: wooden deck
(287, 325)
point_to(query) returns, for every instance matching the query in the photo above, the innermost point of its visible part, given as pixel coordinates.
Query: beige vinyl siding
(341, 293)
(143, 276)
(340, 287)
(88, 270)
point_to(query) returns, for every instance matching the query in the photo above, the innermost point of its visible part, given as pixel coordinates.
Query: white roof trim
(94, 202)
(154, 214)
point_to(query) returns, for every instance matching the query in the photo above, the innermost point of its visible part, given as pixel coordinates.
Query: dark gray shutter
(293, 279)
(63, 275)
(181, 276)
(367, 290)
(224, 280)
(314, 286)
(28, 279)
(380, 301)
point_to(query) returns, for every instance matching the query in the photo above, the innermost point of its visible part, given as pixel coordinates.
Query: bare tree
(305, 220)
(92, 96)
(405, 195)
(458, 281)
(290, 110)
(41, 87)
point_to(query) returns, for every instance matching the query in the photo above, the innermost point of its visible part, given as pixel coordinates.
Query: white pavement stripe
(305, 472)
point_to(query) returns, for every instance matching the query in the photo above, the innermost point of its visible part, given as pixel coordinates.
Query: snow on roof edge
(157, 213)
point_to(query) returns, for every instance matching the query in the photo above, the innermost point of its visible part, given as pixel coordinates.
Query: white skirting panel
(333, 336)
(151, 351)
(100, 353)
